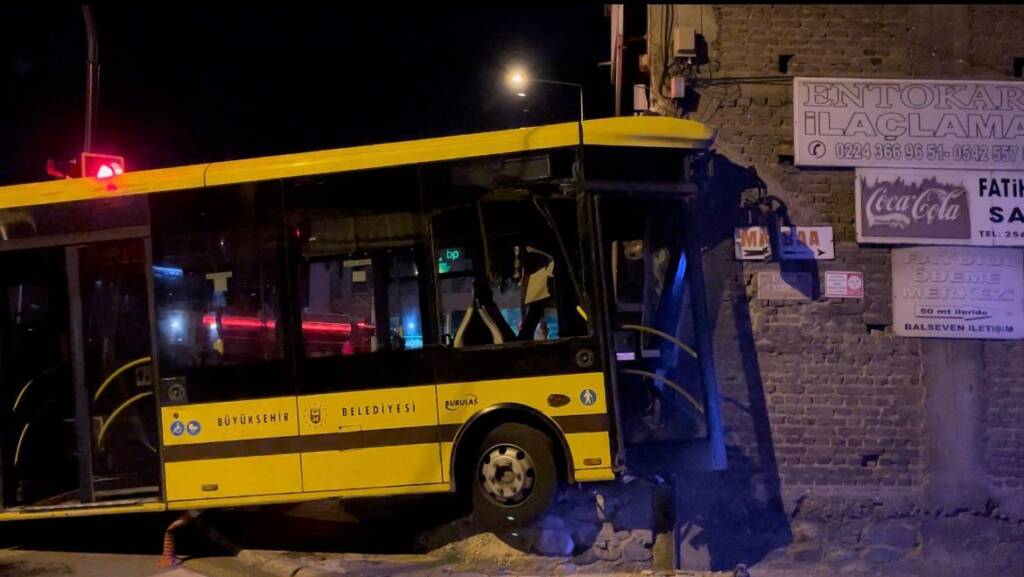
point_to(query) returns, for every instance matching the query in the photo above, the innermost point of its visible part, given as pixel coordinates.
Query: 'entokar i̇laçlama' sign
(855, 122)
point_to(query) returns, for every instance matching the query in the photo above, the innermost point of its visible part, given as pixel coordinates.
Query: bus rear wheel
(515, 480)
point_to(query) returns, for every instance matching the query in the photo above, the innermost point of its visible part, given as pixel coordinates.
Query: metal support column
(83, 419)
(702, 329)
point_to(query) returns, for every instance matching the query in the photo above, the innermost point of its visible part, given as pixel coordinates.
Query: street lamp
(517, 79)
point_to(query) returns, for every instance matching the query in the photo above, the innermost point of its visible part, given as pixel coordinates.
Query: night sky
(190, 83)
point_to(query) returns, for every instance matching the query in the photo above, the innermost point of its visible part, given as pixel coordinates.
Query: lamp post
(92, 76)
(518, 80)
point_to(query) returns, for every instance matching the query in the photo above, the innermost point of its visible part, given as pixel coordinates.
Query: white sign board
(958, 292)
(844, 284)
(807, 243)
(751, 243)
(940, 207)
(784, 286)
(854, 122)
(797, 243)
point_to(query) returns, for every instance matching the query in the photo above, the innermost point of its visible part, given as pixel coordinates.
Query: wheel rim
(506, 475)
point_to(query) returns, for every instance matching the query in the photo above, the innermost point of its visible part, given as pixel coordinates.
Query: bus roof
(627, 131)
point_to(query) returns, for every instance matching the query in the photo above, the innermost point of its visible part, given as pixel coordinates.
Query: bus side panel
(583, 420)
(372, 467)
(231, 449)
(596, 447)
(235, 477)
(370, 438)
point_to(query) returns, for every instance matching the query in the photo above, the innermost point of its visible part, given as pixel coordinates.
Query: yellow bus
(438, 315)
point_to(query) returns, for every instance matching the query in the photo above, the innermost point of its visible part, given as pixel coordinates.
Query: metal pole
(581, 133)
(581, 115)
(580, 126)
(579, 122)
(92, 65)
(703, 336)
(83, 417)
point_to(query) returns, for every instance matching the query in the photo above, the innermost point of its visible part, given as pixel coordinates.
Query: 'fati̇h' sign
(908, 123)
(940, 207)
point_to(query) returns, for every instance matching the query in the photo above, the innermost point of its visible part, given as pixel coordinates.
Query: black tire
(536, 460)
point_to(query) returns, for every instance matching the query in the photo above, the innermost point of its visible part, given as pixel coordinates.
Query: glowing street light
(517, 79)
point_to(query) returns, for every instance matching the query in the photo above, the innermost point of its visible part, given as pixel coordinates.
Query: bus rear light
(102, 165)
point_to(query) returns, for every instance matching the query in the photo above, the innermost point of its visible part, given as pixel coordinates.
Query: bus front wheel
(515, 480)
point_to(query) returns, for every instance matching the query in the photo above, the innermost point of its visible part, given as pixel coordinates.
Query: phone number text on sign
(1000, 153)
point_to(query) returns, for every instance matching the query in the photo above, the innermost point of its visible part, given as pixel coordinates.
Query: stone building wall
(1003, 414)
(821, 398)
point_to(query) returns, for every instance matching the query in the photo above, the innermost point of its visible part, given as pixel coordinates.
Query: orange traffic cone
(168, 558)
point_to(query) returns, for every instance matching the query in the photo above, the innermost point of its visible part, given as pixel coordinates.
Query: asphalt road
(30, 563)
(130, 545)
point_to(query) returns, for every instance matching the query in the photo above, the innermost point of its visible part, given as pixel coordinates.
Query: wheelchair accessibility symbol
(588, 397)
(177, 428)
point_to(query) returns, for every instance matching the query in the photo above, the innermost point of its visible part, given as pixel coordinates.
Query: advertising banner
(784, 286)
(903, 206)
(798, 243)
(958, 292)
(844, 284)
(949, 124)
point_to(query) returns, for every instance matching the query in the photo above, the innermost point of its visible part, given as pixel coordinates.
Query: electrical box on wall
(640, 102)
(684, 39)
(678, 87)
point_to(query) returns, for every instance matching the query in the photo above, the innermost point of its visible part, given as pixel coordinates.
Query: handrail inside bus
(25, 387)
(21, 439)
(21, 394)
(664, 335)
(675, 386)
(118, 411)
(117, 373)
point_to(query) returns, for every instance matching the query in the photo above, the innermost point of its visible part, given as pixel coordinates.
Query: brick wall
(822, 394)
(1003, 414)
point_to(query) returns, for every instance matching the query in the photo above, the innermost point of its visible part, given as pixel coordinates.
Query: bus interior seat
(482, 324)
(534, 314)
(491, 315)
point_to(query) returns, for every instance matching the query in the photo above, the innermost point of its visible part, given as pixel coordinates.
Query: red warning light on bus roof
(101, 165)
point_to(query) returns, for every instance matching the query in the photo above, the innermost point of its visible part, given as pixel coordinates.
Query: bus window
(503, 274)
(358, 241)
(216, 274)
(340, 304)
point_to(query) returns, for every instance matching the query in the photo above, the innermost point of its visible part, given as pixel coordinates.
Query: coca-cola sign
(929, 208)
(940, 207)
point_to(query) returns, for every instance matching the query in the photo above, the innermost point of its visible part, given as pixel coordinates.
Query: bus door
(80, 422)
(367, 400)
(226, 389)
(644, 262)
(36, 377)
(112, 319)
